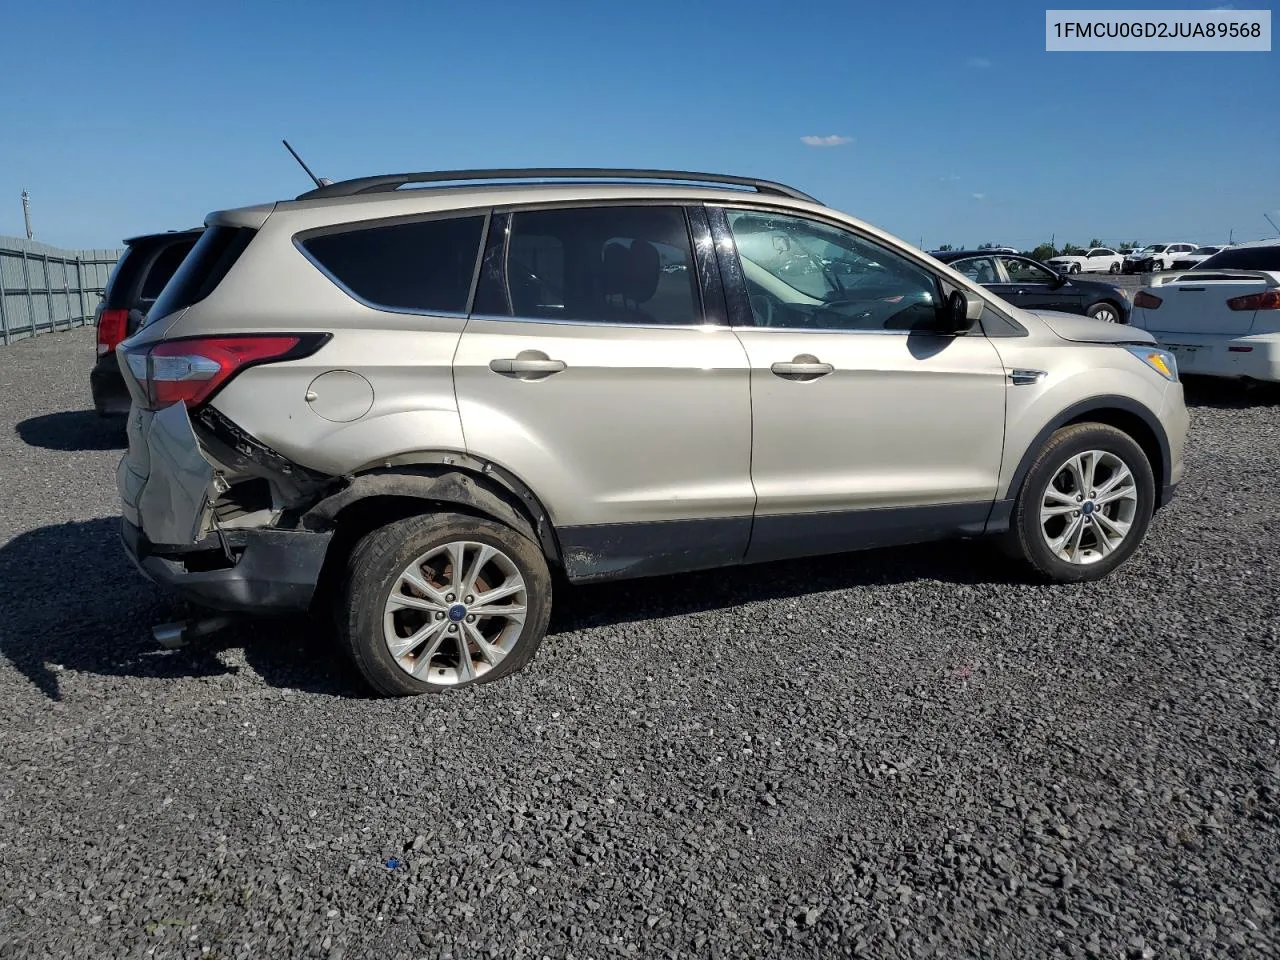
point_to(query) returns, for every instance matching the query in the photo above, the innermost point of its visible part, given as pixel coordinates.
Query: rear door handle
(527, 368)
(804, 367)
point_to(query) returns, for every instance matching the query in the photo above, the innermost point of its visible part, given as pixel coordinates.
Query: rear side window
(1244, 258)
(163, 268)
(203, 269)
(613, 264)
(421, 266)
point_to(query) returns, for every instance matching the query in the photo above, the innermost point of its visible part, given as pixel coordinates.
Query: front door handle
(527, 365)
(804, 367)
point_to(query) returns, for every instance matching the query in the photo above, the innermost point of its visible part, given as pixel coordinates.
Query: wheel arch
(1123, 413)
(402, 485)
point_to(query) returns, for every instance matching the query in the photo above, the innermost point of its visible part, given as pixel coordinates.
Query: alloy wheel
(455, 613)
(1088, 507)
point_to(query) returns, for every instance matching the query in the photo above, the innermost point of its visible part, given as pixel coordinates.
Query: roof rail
(393, 181)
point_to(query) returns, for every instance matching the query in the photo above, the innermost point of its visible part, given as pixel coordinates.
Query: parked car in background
(1186, 261)
(1156, 257)
(145, 266)
(1094, 260)
(1222, 317)
(432, 398)
(1029, 283)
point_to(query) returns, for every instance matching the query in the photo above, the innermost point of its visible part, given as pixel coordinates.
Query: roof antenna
(319, 181)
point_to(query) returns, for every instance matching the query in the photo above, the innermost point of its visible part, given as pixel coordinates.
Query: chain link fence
(43, 288)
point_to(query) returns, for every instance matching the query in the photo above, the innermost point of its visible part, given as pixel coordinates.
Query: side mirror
(963, 311)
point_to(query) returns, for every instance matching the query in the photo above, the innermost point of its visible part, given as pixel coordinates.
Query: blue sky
(960, 127)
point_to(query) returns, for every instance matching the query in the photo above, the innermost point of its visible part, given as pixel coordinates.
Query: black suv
(136, 280)
(1029, 284)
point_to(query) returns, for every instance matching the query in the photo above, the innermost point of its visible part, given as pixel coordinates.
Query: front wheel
(1075, 268)
(1104, 311)
(1085, 505)
(443, 600)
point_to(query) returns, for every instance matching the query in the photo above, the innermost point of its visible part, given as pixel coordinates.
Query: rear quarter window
(421, 266)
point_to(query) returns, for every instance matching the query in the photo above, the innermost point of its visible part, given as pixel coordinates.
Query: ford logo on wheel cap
(457, 612)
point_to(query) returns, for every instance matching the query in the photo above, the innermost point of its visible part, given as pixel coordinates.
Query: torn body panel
(430, 482)
(173, 504)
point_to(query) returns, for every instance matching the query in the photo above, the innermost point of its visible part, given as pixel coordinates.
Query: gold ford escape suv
(408, 399)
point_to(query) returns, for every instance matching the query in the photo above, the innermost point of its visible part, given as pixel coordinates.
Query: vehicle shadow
(1220, 393)
(625, 601)
(73, 602)
(74, 431)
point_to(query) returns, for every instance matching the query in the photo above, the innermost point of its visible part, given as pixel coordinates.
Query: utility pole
(26, 212)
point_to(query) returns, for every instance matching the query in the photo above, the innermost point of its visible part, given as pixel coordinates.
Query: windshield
(1203, 251)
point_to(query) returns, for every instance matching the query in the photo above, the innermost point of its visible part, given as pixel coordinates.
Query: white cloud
(979, 196)
(830, 141)
(978, 63)
(952, 178)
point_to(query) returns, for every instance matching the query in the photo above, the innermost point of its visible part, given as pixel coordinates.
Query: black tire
(374, 569)
(1026, 537)
(1114, 268)
(1104, 306)
(1075, 268)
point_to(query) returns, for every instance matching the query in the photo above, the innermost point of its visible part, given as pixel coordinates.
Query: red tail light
(1148, 301)
(1267, 300)
(191, 371)
(112, 326)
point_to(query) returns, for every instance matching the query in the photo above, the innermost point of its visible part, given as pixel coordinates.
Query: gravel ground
(897, 754)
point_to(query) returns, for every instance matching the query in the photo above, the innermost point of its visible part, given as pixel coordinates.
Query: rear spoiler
(1269, 278)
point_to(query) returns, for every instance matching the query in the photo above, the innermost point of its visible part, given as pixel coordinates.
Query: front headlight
(1161, 361)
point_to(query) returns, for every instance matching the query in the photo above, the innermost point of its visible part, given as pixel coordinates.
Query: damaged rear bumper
(249, 571)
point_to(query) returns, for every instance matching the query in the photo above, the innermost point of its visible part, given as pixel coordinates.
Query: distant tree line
(1047, 250)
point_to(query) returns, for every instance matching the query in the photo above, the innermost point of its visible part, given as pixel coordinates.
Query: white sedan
(1185, 261)
(1221, 318)
(1094, 260)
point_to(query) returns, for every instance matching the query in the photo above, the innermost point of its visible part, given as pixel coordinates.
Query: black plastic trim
(393, 181)
(733, 280)
(784, 536)
(714, 308)
(268, 570)
(617, 551)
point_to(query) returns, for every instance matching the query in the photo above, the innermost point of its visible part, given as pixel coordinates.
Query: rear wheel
(446, 600)
(1105, 311)
(1085, 505)
(1114, 268)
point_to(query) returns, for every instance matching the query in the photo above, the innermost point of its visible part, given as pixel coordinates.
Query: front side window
(424, 265)
(806, 274)
(1024, 271)
(611, 264)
